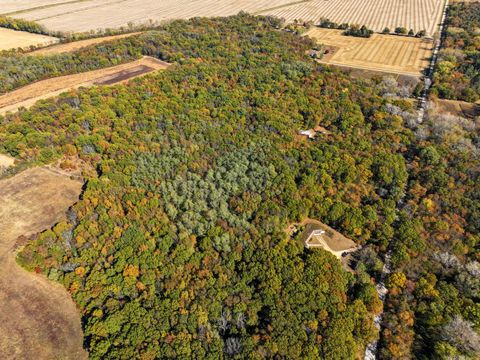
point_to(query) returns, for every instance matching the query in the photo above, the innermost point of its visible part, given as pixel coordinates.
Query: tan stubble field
(38, 319)
(388, 53)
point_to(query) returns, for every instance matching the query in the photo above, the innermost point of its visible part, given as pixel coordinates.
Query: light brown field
(456, 107)
(86, 15)
(44, 89)
(11, 39)
(376, 14)
(80, 16)
(38, 319)
(6, 161)
(76, 45)
(388, 53)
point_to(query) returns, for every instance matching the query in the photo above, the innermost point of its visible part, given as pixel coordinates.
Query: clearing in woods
(76, 45)
(38, 319)
(27, 96)
(12, 39)
(387, 53)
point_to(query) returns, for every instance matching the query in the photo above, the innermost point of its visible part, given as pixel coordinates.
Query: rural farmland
(411, 14)
(41, 320)
(11, 39)
(394, 54)
(85, 15)
(28, 95)
(80, 16)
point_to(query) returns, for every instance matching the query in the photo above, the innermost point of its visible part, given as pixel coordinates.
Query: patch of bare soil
(44, 89)
(38, 319)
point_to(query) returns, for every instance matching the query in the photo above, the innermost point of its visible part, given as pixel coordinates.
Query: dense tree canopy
(457, 73)
(178, 249)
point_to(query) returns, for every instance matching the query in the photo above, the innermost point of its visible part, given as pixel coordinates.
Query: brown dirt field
(11, 39)
(456, 107)
(30, 94)
(38, 319)
(76, 45)
(387, 53)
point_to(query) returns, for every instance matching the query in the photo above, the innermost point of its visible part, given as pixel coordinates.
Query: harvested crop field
(76, 45)
(28, 95)
(80, 16)
(375, 14)
(387, 53)
(38, 319)
(85, 15)
(11, 39)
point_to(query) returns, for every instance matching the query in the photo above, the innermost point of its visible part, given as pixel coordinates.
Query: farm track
(30, 94)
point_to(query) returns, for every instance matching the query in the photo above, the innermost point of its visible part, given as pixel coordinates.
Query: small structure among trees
(319, 235)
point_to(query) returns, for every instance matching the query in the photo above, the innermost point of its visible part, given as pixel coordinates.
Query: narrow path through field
(38, 319)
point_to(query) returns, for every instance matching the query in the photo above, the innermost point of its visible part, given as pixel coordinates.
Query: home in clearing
(319, 235)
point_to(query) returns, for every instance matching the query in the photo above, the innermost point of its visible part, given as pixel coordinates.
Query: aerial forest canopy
(457, 74)
(178, 248)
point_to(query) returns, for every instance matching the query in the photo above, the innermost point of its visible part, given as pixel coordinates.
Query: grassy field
(28, 95)
(376, 14)
(85, 15)
(388, 53)
(41, 320)
(76, 45)
(11, 39)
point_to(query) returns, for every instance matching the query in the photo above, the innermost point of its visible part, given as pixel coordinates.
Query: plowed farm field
(85, 15)
(28, 95)
(387, 53)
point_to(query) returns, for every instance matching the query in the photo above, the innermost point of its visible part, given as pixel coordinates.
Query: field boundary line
(281, 6)
(43, 7)
(80, 10)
